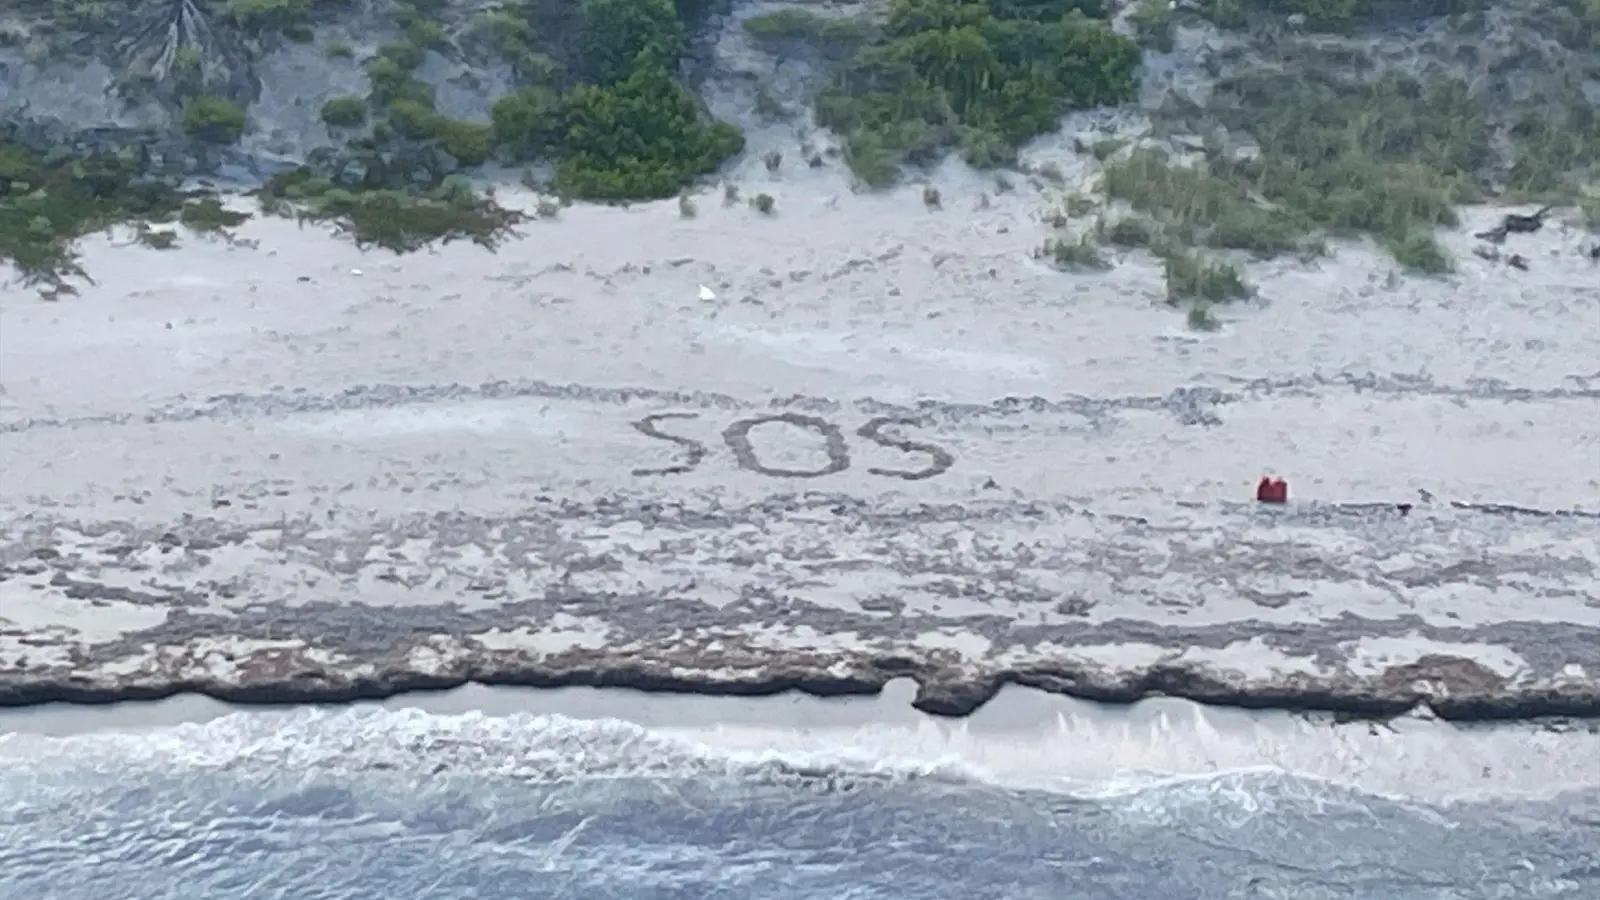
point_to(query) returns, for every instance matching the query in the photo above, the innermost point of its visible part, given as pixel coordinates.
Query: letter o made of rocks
(737, 437)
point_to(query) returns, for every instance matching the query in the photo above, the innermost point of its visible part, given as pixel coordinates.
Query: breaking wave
(398, 803)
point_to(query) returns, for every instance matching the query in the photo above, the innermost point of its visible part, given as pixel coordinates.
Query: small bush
(1201, 318)
(764, 204)
(213, 119)
(1419, 252)
(527, 122)
(425, 34)
(208, 216)
(1152, 24)
(1190, 278)
(804, 26)
(469, 142)
(1079, 255)
(345, 112)
(402, 221)
(403, 55)
(1132, 231)
(275, 15)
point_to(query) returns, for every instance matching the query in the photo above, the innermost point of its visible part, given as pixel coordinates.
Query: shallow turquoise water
(380, 805)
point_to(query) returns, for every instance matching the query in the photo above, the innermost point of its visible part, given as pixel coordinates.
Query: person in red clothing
(1272, 490)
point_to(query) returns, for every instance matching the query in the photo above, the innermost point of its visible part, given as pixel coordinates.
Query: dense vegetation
(1307, 141)
(1332, 15)
(983, 76)
(49, 201)
(1390, 158)
(612, 118)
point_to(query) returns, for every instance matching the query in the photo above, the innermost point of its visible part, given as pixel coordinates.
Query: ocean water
(384, 804)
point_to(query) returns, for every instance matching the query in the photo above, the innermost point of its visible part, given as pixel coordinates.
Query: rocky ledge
(826, 595)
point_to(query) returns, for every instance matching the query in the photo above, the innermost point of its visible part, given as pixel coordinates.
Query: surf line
(834, 444)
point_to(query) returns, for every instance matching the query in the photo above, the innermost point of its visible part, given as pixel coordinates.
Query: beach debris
(1511, 223)
(355, 271)
(707, 293)
(1515, 260)
(1515, 224)
(1272, 490)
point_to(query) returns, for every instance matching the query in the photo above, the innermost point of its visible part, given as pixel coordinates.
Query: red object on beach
(1280, 491)
(1272, 490)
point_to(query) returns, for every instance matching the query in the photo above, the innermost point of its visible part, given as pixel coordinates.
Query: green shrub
(1081, 254)
(212, 119)
(469, 142)
(1132, 231)
(404, 55)
(1190, 278)
(1420, 252)
(187, 67)
(412, 119)
(616, 33)
(948, 73)
(1197, 206)
(1152, 24)
(208, 215)
(398, 220)
(269, 14)
(640, 139)
(345, 112)
(1387, 157)
(804, 26)
(528, 122)
(47, 203)
(425, 35)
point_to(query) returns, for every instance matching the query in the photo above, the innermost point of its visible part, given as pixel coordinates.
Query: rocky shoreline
(1451, 688)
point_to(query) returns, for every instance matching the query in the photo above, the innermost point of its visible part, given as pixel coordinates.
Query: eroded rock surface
(285, 471)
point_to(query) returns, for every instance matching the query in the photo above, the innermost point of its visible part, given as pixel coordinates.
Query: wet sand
(891, 444)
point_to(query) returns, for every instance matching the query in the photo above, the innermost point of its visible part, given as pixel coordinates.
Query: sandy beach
(890, 443)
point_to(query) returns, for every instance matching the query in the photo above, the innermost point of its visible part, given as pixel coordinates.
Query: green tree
(616, 32)
(640, 138)
(527, 121)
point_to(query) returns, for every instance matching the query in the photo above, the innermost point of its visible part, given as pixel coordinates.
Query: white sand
(1354, 383)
